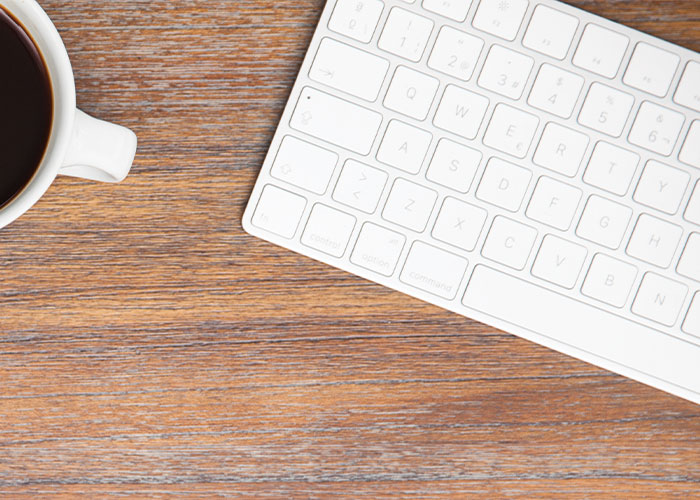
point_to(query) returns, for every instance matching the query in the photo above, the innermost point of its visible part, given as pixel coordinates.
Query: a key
(689, 264)
(304, 165)
(406, 34)
(659, 299)
(606, 109)
(692, 319)
(360, 186)
(559, 261)
(651, 69)
(601, 51)
(461, 112)
(509, 243)
(609, 280)
(690, 154)
(454, 9)
(662, 187)
(459, 224)
(554, 203)
(611, 168)
(692, 213)
(454, 165)
(404, 147)
(411, 93)
(378, 249)
(504, 184)
(356, 19)
(506, 72)
(328, 230)
(688, 92)
(456, 53)
(556, 91)
(654, 241)
(279, 211)
(550, 32)
(410, 205)
(561, 149)
(501, 18)
(604, 222)
(433, 270)
(656, 128)
(511, 131)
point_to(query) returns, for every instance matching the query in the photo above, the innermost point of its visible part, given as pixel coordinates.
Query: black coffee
(26, 108)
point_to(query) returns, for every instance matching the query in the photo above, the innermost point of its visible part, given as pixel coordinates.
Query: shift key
(336, 121)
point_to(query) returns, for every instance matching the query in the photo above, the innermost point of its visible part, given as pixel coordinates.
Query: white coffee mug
(79, 145)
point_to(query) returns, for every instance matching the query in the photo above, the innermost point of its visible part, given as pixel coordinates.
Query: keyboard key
(660, 299)
(692, 319)
(279, 211)
(356, 19)
(550, 32)
(454, 166)
(609, 280)
(559, 261)
(404, 147)
(511, 131)
(611, 168)
(456, 53)
(561, 149)
(459, 224)
(304, 165)
(606, 110)
(604, 222)
(509, 243)
(556, 91)
(651, 69)
(656, 128)
(338, 65)
(411, 93)
(360, 186)
(601, 51)
(378, 249)
(500, 18)
(461, 112)
(434, 271)
(328, 230)
(504, 184)
(690, 154)
(692, 213)
(689, 265)
(406, 34)
(688, 93)
(454, 9)
(654, 241)
(554, 203)
(506, 72)
(410, 205)
(336, 121)
(662, 187)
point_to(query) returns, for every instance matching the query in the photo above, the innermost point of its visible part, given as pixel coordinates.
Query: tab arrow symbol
(328, 73)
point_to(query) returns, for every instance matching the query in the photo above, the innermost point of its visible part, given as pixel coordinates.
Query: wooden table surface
(150, 348)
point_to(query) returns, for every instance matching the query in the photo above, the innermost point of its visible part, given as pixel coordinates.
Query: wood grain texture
(150, 348)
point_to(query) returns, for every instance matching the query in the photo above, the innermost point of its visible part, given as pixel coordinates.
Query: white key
(688, 93)
(651, 69)
(611, 168)
(338, 65)
(406, 34)
(433, 270)
(279, 211)
(690, 154)
(304, 165)
(509, 243)
(336, 121)
(328, 230)
(461, 112)
(690, 261)
(656, 128)
(456, 53)
(692, 213)
(500, 17)
(378, 249)
(554, 203)
(561, 149)
(550, 32)
(556, 91)
(692, 319)
(609, 280)
(604, 222)
(506, 72)
(511, 131)
(404, 147)
(454, 9)
(504, 184)
(662, 187)
(606, 109)
(454, 166)
(356, 19)
(410, 205)
(659, 299)
(411, 93)
(459, 224)
(559, 261)
(360, 186)
(601, 50)
(654, 241)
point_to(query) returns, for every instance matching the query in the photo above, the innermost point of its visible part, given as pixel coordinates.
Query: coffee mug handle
(99, 151)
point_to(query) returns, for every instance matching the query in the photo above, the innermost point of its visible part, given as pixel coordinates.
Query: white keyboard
(523, 163)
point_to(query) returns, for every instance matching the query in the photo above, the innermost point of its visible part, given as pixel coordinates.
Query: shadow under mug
(79, 145)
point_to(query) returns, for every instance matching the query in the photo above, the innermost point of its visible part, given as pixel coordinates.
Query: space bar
(583, 327)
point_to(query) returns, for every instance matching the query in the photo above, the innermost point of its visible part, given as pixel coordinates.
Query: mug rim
(52, 49)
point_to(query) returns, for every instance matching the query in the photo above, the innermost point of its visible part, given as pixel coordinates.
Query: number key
(456, 53)
(606, 109)
(506, 72)
(656, 128)
(406, 34)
